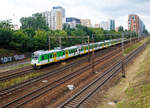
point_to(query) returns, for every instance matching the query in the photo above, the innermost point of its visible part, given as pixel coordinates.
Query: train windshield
(35, 56)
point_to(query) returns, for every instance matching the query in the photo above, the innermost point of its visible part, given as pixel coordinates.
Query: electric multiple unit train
(41, 57)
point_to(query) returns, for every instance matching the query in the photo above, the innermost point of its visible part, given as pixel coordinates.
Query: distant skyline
(96, 10)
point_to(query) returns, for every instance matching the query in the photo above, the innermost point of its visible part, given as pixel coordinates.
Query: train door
(67, 53)
(103, 45)
(55, 57)
(84, 49)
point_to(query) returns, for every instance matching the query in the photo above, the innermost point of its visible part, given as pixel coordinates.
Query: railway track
(56, 83)
(36, 93)
(12, 74)
(21, 71)
(79, 98)
(49, 73)
(15, 63)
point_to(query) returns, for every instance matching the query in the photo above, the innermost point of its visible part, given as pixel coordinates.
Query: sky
(96, 10)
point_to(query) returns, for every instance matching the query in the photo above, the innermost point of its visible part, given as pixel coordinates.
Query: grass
(138, 94)
(20, 66)
(134, 46)
(18, 80)
(15, 67)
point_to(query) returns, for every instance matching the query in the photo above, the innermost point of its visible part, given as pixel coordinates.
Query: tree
(6, 24)
(5, 36)
(59, 33)
(145, 31)
(29, 31)
(36, 21)
(120, 29)
(19, 41)
(40, 40)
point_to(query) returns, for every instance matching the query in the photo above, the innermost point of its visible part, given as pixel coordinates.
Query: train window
(57, 54)
(62, 53)
(42, 57)
(50, 56)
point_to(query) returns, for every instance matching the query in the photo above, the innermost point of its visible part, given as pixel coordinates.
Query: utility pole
(123, 65)
(49, 47)
(122, 44)
(144, 40)
(123, 70)
(93, 57)
(60, 43)
(88, 49)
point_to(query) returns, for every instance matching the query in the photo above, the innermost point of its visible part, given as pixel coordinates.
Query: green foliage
(79, 31)
(120, 29)
(40, 40)
(34, 34)
(59, 33)
(134, 46)
(19, 40)
(18, 80)
(6, 24)
(36, 21)
(5, 36)
(29, 31)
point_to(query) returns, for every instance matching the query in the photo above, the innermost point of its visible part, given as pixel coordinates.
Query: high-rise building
(142, 27)
(108, 25)
(104, 25)
(96, 25)
(111, 24)
(61, 10)
(55, 18)
(72, 22)
(47, 16)
(135, 24)
(59, 21)
(86, 22)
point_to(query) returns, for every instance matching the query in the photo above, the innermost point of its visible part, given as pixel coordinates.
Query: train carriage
(71, 51)
(59, 55)
(41, 57)
(81, 49)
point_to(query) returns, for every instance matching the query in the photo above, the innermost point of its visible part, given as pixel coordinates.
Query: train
(41, 57)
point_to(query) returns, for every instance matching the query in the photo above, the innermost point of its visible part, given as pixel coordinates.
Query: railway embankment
(130, 92)
(11, 59)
